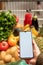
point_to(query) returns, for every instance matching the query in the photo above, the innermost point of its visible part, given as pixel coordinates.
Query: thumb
(32, 61)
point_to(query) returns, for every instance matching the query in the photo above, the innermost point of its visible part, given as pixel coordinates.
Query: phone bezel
(19, 45)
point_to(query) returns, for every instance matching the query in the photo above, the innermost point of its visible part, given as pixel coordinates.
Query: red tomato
(4, 46)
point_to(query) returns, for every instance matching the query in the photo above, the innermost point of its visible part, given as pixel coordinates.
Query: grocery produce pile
(9, 38)
(8, 42)
(39, 41)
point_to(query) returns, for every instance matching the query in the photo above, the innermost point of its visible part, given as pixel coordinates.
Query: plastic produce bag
(20, 62)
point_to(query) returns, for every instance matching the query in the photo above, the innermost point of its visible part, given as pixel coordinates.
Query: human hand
(36, 53)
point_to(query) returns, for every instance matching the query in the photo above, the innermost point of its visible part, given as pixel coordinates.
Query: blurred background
(20, 7)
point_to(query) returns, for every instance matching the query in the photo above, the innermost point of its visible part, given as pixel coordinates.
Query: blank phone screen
(26, 49)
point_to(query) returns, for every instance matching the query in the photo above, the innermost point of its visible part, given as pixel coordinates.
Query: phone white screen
(26, 49)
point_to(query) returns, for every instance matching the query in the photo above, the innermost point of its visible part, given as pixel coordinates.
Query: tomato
(12, 41)
(4, 46)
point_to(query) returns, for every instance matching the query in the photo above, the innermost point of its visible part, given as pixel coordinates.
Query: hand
(36, 52)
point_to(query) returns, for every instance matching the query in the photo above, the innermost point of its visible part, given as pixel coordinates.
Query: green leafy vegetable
(6, 24)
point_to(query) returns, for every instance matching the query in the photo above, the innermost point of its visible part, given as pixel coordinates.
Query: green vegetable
(6, 24)
(20, 62)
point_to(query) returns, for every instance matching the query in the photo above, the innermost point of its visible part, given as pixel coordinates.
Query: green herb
(6, 24)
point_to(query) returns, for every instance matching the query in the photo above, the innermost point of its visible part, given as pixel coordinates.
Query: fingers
(36, 52)
(27, 61)
(18, 51)
(32, 61)
(18, 47)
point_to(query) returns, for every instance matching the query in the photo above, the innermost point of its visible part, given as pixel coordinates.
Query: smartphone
(26, 48)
